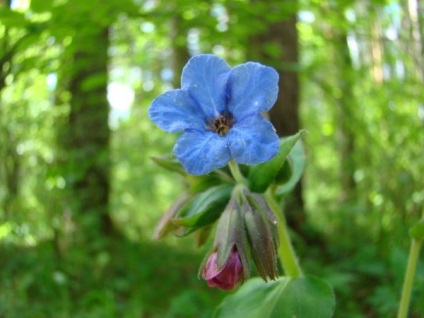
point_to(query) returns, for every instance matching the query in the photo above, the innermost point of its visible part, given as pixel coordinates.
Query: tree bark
(283, 37)
(180, 53)
(10, 164)
(345, 116)
(89, 134)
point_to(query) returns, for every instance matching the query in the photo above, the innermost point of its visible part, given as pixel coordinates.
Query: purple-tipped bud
(228, 276)
(227, 264)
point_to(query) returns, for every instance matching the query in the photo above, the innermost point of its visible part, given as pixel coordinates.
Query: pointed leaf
(296, 160)
(205, 208)
(169, 162)
(165, 226)
(303, 297)
(262, 175)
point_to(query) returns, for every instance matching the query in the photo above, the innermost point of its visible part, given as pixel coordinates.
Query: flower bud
(228, 276)
(227, 264)
(263, 236)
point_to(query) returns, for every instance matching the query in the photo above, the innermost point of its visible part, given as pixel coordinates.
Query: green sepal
(417, 231)
(262, 175)
(230, 234)
(262, 232)
(202, 235)
(302, 297)
(205, 208)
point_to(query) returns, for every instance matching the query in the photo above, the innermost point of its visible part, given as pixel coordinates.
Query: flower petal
(253, 140)
(252, 87)
(228, 276)
(201, 152)
(174, 111)
(205, 78)
(211, 268)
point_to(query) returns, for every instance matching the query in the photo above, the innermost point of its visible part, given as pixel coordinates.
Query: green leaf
(169, 162)
(262, 175)
(303, 297)
(286, 172)
(296, 161)
(205, 208)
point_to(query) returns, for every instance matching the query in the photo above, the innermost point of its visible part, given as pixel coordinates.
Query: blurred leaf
(262, 175)
(202, 183)
(304, 297)
(12, 18)
(93, 82)
(41, 5)
(169, 162)
(165, 225)
(417, 231)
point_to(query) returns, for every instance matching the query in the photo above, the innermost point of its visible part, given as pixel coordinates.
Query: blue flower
(218, 109)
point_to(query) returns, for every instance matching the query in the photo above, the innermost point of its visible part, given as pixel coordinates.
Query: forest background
(80, 196)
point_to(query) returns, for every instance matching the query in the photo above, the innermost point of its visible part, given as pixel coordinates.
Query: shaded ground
(128, 280)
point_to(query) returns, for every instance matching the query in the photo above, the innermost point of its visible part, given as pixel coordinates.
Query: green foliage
(205, 208)
(127, 280)
(262, 175)
(292, 169)
(39, 6)
(417, 231)
(287, 297)
(361, 232)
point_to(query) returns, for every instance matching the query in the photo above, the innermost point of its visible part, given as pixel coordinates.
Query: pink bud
(228, 276)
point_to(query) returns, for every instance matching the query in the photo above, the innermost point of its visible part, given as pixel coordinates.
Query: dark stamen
(222, 124)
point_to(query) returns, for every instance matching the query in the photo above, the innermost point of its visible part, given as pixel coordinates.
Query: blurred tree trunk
(282, 38)
(345, 112)
(10, 164)
(180, 53)
(346, 119)
(88, 131)
(420, 13)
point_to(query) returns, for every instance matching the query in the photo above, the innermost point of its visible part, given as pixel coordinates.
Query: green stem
(234, 168)
(414, 252)
(285, 250)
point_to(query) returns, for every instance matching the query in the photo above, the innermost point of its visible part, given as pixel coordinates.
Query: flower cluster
(246, 225)
(218, 109)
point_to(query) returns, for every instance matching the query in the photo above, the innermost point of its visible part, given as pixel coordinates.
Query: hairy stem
(236, 172)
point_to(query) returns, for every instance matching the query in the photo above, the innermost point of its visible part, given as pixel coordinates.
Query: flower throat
(222, 124)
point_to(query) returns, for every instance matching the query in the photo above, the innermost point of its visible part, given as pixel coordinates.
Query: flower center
(222, 124)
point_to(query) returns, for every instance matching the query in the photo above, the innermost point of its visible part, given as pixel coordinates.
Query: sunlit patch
(120, 97)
